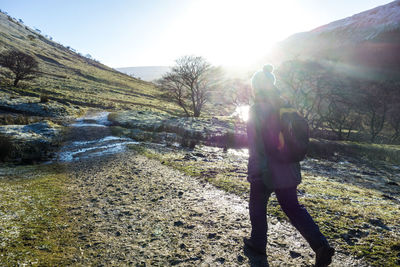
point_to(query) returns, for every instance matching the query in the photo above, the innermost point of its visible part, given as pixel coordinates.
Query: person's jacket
(263, 138)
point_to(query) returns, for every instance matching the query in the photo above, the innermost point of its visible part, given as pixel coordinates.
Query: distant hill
(69, 77)
(368, 40)
(148, 73)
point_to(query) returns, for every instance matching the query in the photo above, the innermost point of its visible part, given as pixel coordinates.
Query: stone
(187, 131)
(294, 254)
(32, 142)
(178, 223)
(31, 106)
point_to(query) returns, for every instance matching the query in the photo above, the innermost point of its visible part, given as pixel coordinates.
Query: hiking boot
(324, 256)
(249, 244)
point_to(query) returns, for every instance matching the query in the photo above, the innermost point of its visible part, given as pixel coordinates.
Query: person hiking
(266, 174)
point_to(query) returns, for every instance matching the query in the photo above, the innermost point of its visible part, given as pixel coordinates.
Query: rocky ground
(152, 126)
(133, 210)
(32, 142)
(30, 129)
(29, 105)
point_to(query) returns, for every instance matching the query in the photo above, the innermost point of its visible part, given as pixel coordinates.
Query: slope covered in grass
(67, 76)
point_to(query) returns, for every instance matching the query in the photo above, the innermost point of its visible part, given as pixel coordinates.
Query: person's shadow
(255, 259)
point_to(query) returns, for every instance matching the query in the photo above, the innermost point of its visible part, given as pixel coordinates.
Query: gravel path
(136, 211)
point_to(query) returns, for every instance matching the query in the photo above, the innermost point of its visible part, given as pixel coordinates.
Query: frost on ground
(132, 210)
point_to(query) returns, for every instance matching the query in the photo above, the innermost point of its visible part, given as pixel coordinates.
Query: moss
(35, 227)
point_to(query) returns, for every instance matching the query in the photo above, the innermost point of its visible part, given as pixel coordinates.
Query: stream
(91, 136)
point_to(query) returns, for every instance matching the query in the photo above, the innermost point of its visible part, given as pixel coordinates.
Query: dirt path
(136, 211)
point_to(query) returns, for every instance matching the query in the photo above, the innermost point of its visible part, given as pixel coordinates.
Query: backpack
(293, 137)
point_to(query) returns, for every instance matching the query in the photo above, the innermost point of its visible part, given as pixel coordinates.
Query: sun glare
(232, 32)
(242, 112)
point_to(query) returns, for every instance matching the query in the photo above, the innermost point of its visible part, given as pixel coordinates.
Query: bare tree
(394, 121)
(189, 83)
(394, 111)
(23, 66)
(337, 107)
(340, 115)
(175, 90)
(375, 101)
(302, 83)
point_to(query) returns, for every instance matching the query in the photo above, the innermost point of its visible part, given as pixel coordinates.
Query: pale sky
(123, 33)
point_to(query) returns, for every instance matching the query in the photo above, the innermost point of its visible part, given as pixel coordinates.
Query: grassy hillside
(68, 76)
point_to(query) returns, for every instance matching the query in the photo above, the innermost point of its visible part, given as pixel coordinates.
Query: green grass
(366, 151)
(35, 229)
(341, 210)
(68, 77)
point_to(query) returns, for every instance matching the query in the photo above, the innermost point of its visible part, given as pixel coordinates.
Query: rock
(211, 236)
(187, 131)
(32, 142)
(294, 254)
(32, 106)
(240, 258)
(221, 260)
(178, 223)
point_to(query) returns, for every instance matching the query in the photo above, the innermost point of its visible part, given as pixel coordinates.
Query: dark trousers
(298, 215)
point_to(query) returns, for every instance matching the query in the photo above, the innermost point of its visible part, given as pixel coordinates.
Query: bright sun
(242, 112)
(232, 32)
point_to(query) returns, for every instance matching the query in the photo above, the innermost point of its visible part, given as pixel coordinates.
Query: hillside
(368, 42)
(66, 76)
(147, 73)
